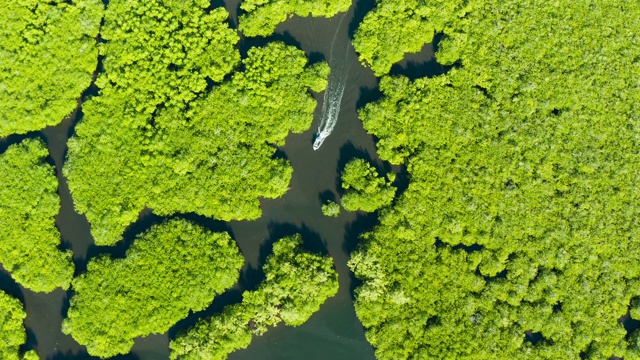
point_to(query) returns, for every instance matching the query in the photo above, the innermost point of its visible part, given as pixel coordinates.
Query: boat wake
(333, 94)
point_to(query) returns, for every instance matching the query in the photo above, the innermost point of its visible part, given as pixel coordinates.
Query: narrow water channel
(332, 333)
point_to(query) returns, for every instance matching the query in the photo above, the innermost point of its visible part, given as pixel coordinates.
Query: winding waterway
(332, 99)
(332, 333)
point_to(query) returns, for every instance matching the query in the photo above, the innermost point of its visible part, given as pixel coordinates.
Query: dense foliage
(171, 269)
(394, 28)
(161, 53)
(522, 209)
(28, 204)
(331, 209)
(262, 16)
(296, 284)
(12, 330)
(148, 142)
(364, 189)
(48, 51)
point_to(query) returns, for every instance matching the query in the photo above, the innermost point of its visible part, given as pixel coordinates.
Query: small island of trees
(364, 189)
(172, 269)
(296, 284)
(28, 204)
(12, 330)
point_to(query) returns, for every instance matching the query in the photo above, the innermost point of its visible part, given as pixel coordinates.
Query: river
(332, 333)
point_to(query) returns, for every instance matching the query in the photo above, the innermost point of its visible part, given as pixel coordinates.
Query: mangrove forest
(319, 179)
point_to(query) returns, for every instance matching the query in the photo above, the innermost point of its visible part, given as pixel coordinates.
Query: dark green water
(332, 333)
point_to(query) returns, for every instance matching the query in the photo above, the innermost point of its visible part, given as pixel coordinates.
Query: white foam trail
(333, 94)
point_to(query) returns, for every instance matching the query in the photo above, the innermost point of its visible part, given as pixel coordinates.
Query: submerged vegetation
(12, 330)
(521, 214)
(364, 189)
(28, 204)
(172, 269)
(49, 53)
(169, 146)
(296, 284)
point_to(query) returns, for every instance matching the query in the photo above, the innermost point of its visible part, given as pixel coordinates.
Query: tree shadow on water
(350, 151)
(83, 355)
(66, 302)
(16, 139)
(326, 196)
(423, 63)
(362, 8)
(229, 297)
(251, 277)
(368, 95)
(630, 324)
(31, 343)
(280, 153)
(9, 285)
(311, 241)
(364, 222)
(145, 220)
(402, 180)
(247, 43)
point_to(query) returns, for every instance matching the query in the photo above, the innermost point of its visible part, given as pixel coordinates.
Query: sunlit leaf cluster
(394, 28)
(161, 53)
(296, 284)
(331, 209)
(48, 54)
(28, 204)
(172, 269)
(364, 189)
(521, 216)
(262, 16)
(12, 333)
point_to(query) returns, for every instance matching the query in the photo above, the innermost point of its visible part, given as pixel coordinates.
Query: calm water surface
(332, 333)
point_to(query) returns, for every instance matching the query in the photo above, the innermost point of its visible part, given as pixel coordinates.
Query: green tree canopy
(48, 51)
(262, 16)
(28, 204)
(171, 269)
(296, 284)
(394, 28)
(521, 213)
(364, 189)
(175, 153)
(331, 209)
(12, 330)
(161, 53)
